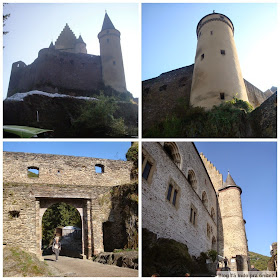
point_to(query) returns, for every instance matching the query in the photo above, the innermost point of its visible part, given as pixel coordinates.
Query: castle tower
(66, 41)
(233, 225)
(80, 46)
(111, 56)
(217, 75)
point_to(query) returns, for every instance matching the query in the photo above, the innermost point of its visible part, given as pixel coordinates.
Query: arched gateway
(68, 179)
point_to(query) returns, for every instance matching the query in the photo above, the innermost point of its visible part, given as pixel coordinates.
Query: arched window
(213, 213)
(204, 199)
(173, 152)
(192, 179)
(214, 244)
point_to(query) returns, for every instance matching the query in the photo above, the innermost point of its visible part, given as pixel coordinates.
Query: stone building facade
(65, 67)
(85, 183)
(185, 198)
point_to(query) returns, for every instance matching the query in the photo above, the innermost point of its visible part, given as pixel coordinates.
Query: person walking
(56, 247)
(225, 261)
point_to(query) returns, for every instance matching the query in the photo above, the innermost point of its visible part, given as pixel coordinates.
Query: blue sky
(107, 150)
(169, 38)
(33, 26)
(252, 166)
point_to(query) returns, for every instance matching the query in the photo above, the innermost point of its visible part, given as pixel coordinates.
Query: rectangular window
(147, 170)
(222, 95)
(211, 32)
(193, 215)
(223, 52)
(202, 56)
(169, 192)
(174, 197)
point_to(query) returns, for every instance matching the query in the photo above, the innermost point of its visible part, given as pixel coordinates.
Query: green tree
(59, 215)
(132, 155)
(5, 17)
(97, 117)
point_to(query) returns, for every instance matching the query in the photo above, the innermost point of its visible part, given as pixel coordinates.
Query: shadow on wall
(120, 231)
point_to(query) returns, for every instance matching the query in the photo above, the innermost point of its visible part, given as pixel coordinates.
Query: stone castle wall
(58, 169)
(169, 221)
(27, 201)
(163, 94)
(56, 71)
(68, 179)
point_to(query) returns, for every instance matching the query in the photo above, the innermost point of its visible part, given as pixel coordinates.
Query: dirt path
(71, 267)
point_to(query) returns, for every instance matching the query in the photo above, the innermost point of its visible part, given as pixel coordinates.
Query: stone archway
(82, 206)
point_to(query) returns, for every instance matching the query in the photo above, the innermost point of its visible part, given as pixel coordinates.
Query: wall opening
(223, 52)
(173, 152)
(192, 179)
(202, 56)
(13, 214)
(64, 221)
(33, 172)
(222, 95)
(99, 168)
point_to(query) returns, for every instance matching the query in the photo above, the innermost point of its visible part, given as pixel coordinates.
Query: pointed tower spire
(107, 23)
(229, 181)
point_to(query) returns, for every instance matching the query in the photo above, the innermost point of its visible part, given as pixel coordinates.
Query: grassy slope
(18, 263)
(258, 260)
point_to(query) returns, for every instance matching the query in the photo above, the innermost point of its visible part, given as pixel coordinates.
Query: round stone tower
(111, 56)
(217, 75)
(233, 225)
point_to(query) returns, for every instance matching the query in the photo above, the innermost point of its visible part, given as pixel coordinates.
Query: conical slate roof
(107, 23)
(51, 46)
(80, 40)
(229, 181)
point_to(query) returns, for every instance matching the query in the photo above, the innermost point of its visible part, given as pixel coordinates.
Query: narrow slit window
(211, 32)
(147, 170)
(222, 95)
(169, 192)
(202, 56)
(174, 197)
(223, 52)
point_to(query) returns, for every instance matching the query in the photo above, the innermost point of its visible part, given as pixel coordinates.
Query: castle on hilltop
(65, 67)
(185, 198)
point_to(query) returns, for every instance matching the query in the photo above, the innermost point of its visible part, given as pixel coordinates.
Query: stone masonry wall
(161, 95)
(23, 229)
(58, 169)
(55, 71)
(163, 218)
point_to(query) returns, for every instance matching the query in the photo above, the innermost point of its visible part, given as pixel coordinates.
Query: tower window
(169, 192)
(147, 170)
(202, 56)
(222, 95)
(211, 32)
(223, 52)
